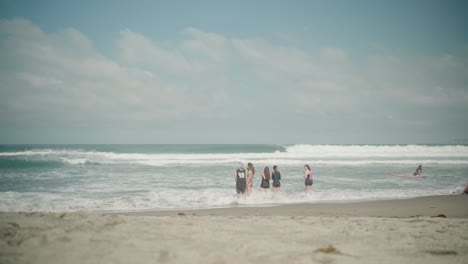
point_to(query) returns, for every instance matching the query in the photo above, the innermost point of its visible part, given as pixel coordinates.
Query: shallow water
(161, 177)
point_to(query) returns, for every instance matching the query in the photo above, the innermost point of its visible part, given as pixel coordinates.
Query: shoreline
(426, 230)
(454, 206)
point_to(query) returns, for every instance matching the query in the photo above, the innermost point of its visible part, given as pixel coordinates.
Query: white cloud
(308, 78)
(211, 45)
(137, 50)
(20, 27)
(335, 54)
(337, 81)
(39, 81)
(437, 80)
(61, 77)
(78, 84)
(199, 80)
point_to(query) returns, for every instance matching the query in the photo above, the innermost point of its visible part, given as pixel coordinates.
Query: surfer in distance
(418, 171)
(465, 189)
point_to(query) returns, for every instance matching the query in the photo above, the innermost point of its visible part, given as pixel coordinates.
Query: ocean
(113, 178)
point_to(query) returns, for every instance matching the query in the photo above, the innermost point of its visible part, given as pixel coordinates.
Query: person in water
(265, 185)
(276, 175)
(250, 174)
(465, 190)
(418, 171)
(308, 177)
(240, 178)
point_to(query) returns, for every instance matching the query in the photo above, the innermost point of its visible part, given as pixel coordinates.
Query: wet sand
(455, 206)
(421, 230)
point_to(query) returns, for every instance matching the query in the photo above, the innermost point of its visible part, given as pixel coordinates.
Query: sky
(230, 72)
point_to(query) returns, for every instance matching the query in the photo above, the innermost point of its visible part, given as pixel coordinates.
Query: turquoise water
(160, 177)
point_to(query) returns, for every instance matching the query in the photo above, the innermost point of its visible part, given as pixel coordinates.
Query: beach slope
(422, 230)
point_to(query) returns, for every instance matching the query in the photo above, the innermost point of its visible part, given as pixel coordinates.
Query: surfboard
(406, 175)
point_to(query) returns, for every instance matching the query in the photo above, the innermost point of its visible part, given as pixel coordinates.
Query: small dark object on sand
(440, 215)
(441, 252)
(329, 250)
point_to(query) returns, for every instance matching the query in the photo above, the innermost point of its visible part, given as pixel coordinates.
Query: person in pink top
(308, 177)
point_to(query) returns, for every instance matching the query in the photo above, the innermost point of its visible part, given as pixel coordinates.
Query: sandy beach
(421, 230)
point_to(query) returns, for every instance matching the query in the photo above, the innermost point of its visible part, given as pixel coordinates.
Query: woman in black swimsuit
(265, 185)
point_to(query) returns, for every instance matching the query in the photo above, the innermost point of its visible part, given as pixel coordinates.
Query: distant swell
(379, 151)
(25, 164)
(292, 155)
(60, 178)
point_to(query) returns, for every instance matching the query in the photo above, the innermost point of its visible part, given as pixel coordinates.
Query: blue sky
(320, 72)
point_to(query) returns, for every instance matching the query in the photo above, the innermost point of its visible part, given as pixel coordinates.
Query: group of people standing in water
(244, 179)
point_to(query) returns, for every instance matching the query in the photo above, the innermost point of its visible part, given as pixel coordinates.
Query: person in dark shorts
(276, 175)
(240, 178)
(308, 177)
(265, 185)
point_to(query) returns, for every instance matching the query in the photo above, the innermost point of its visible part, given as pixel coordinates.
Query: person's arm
(305, 174)
(263, 176)
(279, 175)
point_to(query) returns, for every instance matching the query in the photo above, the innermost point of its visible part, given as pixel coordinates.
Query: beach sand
(421, 230)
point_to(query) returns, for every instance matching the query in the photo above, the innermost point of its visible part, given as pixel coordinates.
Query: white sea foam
(113, 181)
(190, 199)
(291, 151)
(75, 161)
(379, 150)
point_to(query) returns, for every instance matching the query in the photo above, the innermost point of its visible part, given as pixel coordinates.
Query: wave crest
(294, 154)
(379, 151)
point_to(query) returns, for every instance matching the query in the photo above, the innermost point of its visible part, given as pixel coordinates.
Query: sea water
(59, 178)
